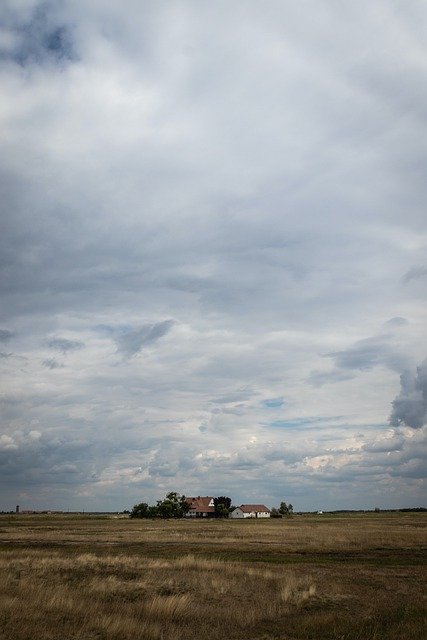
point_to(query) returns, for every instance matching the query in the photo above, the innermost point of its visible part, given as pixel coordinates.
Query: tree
(286, 509)
(165, 508)
(140, 510)
(222, 506)
(174, 505)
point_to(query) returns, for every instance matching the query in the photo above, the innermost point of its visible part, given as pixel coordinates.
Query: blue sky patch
(274, 403)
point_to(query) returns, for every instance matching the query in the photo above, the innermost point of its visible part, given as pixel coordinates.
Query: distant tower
(17, 508)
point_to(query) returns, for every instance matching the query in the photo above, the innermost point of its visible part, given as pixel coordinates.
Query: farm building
(201, 507)
(250, 511)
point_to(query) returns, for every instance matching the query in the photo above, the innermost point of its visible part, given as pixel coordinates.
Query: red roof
(200, 504)
(248, 508)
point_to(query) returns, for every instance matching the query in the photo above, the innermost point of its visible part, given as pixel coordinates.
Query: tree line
(175, 505)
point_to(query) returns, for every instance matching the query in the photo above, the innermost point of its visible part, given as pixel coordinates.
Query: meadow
(337, 577)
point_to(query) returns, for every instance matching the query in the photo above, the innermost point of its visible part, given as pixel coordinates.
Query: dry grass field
(320, 577)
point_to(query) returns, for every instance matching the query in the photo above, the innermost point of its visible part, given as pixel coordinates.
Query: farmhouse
(201, 507)
(250, 511)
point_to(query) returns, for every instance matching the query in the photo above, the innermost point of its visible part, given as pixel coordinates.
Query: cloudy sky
(213, 252)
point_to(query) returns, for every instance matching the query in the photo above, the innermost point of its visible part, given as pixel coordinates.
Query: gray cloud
(368, 353)
(318, 378)
(231, 398)
(5, 335)
(415, 273)
(34, 36)
(397, 322)
(410, 406)
(364, 354)
(51, 363)
(132, 341)
(64, 345)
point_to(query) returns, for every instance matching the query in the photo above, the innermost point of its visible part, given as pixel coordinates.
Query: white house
(250, 511)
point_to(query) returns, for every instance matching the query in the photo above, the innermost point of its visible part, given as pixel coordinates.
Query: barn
(251, 511)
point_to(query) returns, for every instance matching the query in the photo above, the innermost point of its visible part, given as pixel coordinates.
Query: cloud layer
(212, 252)
(410, 406)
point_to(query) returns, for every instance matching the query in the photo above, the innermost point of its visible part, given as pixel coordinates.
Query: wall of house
(238, 513)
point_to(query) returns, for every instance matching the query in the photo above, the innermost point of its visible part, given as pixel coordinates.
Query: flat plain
(330, 576)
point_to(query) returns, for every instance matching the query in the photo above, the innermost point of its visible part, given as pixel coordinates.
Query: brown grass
(347, 577)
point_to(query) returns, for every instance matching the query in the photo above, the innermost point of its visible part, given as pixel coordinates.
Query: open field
(319, 577)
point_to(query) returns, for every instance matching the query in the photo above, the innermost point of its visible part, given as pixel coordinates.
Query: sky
(213, 252)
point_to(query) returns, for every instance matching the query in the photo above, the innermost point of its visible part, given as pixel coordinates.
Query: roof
(248, 508)
(201, 504)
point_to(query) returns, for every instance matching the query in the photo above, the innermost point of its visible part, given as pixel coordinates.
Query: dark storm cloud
(132, 341)
(5, 335)
(64, 345)
(410, 406)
